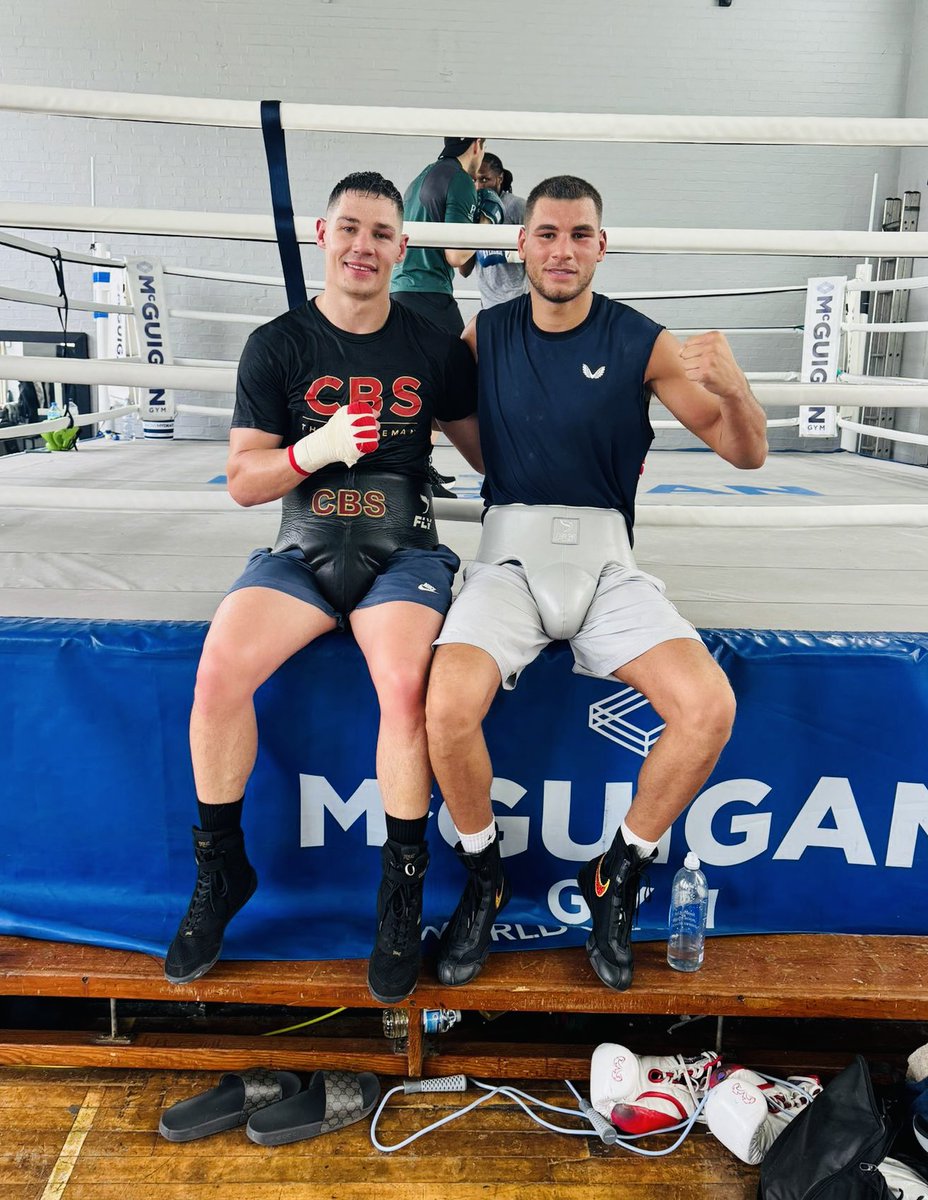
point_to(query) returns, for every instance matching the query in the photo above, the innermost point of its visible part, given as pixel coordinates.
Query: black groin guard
(347, 523)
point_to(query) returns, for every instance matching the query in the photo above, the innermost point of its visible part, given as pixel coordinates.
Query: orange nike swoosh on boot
(499, 895)
(598, 886)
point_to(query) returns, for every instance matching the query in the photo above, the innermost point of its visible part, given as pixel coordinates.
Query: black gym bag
(833, 1148)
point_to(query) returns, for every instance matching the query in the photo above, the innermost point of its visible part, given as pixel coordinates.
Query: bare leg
(690, 692)
(396, 640)
(463, 683)
(254, 631)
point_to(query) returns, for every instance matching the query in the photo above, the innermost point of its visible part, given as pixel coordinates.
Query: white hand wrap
(345, 437)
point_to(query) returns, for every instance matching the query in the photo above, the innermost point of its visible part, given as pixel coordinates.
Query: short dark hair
(368, 183)
(563, 187)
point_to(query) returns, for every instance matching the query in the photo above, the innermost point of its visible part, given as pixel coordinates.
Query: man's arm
(459, 259)
(705, 389)
(465, 437)
(460, 201)
(464, 434)
(469, 336)
(258, 471)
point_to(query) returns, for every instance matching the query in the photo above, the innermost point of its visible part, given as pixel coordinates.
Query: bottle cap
(691, 862)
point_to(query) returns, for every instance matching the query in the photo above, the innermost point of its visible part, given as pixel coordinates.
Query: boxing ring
(808, 579)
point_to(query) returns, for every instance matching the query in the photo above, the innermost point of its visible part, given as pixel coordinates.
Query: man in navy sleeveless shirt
(565, 377)
(334, 409)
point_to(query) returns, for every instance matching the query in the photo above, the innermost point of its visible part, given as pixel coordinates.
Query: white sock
(633, 839)
(473, 843)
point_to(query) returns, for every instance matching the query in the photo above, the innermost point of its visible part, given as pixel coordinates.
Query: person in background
(444, 191)
(498, 278)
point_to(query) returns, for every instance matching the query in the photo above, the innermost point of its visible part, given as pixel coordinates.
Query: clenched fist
(707, 359)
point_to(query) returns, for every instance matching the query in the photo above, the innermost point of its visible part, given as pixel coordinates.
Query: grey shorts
(495, 611)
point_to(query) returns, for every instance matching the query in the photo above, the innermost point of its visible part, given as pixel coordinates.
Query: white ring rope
(250, 227)
(742, 516)
(227, 318)
(317, 285)
(204, 410)
(884, 380)
(417, 122)
(217, 410)
(35, 428)
(222, 379)
(49, 301)
(230, 363)
(885, 327)
(117, 372)
(913, 282)
(889, 435)
(70, 256)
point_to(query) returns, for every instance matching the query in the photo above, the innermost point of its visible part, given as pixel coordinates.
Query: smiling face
(561, 247)
(362, 239)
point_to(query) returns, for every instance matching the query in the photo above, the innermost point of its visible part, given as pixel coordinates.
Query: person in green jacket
(444, 191)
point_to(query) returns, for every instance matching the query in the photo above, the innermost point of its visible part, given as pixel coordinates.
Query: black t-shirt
(299, 368)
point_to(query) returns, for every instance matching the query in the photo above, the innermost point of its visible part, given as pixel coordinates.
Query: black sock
(216, 818)
(407, 833)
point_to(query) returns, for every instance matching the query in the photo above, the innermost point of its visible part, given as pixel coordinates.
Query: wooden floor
(86, 1134)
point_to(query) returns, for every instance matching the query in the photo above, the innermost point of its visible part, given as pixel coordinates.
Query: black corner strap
(64, 307)
(275, 150)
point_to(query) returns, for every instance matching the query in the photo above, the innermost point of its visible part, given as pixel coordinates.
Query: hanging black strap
(64, 307)
(275, 150)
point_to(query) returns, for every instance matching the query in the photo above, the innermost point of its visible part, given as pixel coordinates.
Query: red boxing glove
(364, 426)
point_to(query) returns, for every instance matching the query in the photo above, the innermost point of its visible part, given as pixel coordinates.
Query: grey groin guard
(563, 552)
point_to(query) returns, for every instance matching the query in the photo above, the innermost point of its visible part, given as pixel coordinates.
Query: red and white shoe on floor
(647, 1093)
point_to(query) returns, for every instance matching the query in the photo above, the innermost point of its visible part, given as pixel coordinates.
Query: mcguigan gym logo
(612, 717)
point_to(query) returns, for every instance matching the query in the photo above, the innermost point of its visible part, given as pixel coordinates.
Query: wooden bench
(825, 976)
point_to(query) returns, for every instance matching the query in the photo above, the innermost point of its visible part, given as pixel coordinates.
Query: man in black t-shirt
(334, 407)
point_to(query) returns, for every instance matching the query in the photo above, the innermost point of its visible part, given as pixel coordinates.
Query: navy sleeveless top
(564, 416)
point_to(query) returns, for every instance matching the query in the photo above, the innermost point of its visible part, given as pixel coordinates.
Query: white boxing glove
(351, 432)
(645, 1093)
(747, 1113)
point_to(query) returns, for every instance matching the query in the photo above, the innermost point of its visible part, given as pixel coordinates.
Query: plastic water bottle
(131, 427)
(689, 908)
(53, 412)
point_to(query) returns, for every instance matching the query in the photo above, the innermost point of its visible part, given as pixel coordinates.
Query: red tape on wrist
(296, 466)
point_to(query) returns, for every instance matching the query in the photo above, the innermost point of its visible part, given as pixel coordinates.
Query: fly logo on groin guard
(423, 520)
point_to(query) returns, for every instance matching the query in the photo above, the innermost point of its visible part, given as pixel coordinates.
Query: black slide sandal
(237, 1096)
(332, 1100)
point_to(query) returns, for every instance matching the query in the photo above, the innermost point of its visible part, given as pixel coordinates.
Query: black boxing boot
(437, 483)
(465, 943)
(226, 881)
(393, 969)
(610, 887)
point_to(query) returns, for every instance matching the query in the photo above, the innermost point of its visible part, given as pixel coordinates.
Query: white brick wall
(836, 57)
